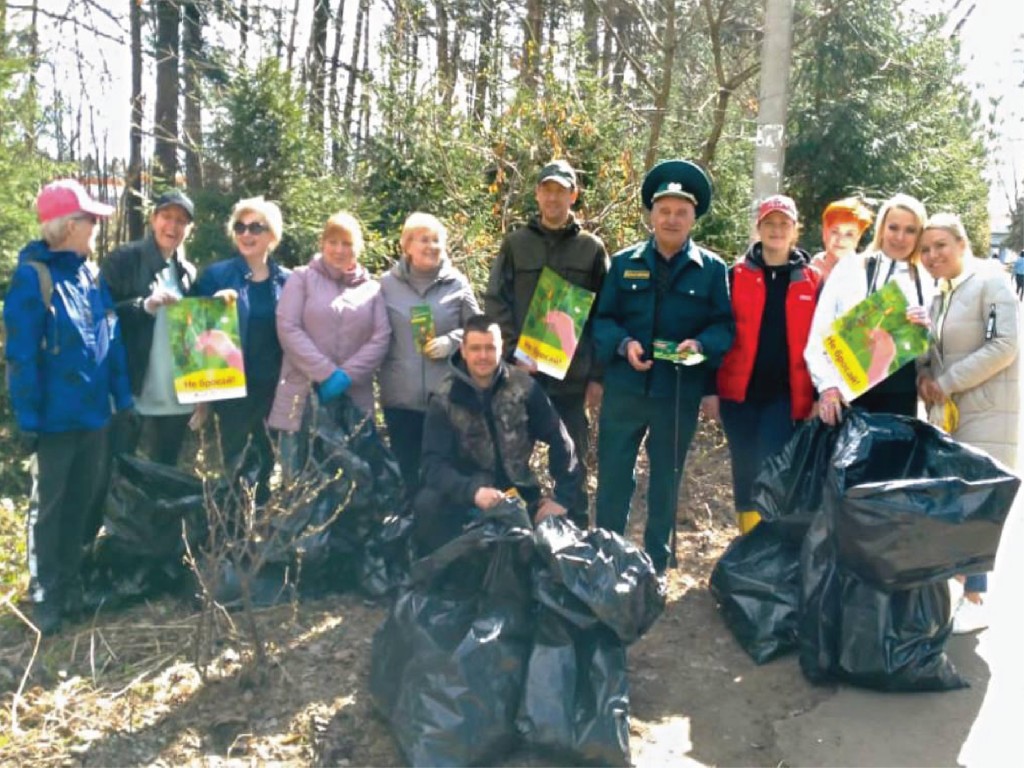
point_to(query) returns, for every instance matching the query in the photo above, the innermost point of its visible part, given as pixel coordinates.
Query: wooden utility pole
(770, 149)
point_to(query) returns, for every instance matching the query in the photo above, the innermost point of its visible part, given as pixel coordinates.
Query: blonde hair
(907, 203)
(418, 221)
(951, 223)
(262, 207)
(343, 221)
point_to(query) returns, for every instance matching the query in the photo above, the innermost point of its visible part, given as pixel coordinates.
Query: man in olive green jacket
(553, 238)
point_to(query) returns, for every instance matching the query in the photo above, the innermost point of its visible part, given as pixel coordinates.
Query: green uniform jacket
(572, 252)
(695, 306)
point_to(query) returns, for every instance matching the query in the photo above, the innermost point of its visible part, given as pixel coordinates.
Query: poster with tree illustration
(874, 340)
(206, 348)
(553, 324)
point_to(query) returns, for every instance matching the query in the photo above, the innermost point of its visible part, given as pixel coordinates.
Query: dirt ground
(120, 688)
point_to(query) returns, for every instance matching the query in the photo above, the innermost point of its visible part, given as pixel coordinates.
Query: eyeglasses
(87, 217)
(253, 227)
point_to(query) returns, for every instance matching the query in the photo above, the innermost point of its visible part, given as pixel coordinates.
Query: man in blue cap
(663, 298)
(144, 276)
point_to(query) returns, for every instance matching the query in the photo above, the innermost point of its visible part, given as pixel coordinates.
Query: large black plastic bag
(139, 550)
(916, 506)
(851, 629)
(325, 535)
(147, 504)
(756, 582)
(575, 703)
(386, 558)
(788, 489)
(609, 575)
(598, 593)
(448, 664)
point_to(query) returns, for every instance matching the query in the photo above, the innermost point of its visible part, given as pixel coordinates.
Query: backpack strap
(45, 281)
(46, 291)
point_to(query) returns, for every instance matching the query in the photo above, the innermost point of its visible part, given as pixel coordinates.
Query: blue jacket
(695, 306)
(235, 273)
(63, 365)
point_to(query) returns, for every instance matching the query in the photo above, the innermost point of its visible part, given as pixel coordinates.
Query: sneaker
(969, 617)
(46, 616)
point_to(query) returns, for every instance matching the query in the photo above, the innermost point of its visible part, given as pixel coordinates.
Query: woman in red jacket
(763, 387)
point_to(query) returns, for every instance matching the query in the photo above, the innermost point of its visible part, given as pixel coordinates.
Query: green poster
(554, 323)
(422, 320)
(207, 350)
(874, 340)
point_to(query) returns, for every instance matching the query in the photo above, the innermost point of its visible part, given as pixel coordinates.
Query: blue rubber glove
(334, 386)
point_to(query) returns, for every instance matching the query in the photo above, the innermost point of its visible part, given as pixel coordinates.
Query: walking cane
(673, 559)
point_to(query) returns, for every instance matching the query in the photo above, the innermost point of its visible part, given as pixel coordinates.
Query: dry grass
(121, 688)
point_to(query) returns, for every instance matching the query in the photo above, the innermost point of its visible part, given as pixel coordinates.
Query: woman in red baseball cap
(66, 365)
(763, 387)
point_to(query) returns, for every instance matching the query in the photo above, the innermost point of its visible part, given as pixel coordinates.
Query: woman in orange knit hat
(842, 225)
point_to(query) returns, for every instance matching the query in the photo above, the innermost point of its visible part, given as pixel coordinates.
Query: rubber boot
(746, 521)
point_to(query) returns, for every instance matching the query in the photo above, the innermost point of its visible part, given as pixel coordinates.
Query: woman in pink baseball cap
(763, 387)
(66, 365)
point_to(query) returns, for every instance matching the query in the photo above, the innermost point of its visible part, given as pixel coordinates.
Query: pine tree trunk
(482, 79)
(533, 34)
(346, 129)
(334, 105)
(133, 191)
(165, 120)
(316, 70)
(192, 133)
(661, 98)
(590, 17)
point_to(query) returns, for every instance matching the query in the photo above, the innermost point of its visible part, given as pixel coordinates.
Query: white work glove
(158, 298)
(438, 348)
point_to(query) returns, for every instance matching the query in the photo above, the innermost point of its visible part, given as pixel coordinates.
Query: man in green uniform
(671, 290)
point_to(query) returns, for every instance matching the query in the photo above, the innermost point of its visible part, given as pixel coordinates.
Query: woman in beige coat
(973, 361)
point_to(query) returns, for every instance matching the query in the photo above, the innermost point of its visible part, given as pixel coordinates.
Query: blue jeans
(755, 431)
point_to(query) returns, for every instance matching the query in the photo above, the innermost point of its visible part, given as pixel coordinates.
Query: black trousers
(573, 414)
(405, 435)
(436, 520)
(244, 440)
(69, 483)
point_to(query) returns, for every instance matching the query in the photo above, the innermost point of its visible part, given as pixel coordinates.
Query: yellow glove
(950, 416)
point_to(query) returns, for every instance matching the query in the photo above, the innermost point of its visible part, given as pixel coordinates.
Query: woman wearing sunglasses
(334, 329)
(253, 279)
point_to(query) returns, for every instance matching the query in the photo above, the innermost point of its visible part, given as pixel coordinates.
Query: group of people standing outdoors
(89, 356)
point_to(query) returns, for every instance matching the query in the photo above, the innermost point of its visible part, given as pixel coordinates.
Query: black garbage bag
(575, 702)
(448, 664)
(756, 582)
(604, 572)
(147, 504)
(139, 550)
(858, 630)
(387, 557)
(852, 631)
(348, 488)
(915, 506)
(788, 489)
